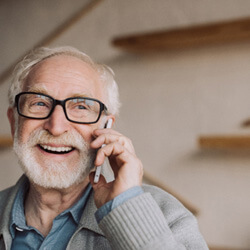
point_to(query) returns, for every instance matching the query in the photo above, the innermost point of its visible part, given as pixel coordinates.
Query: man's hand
(127, 167)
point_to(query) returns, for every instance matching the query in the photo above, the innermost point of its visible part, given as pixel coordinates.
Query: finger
(111, 138)
(100, 182)
(114, 150)
(124, 164)
(98, 132)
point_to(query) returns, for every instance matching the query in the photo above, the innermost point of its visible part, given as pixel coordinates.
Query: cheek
(87, 135)
(86, 131)
(26, 127)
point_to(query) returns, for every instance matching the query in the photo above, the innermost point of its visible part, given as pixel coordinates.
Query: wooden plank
(195, 36)
(246, 123)
(226, 248)
(5, 141)
(224, 142)
(53, 35)
(154, 181)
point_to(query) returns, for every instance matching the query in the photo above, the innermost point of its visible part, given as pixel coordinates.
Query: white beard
(54, 174)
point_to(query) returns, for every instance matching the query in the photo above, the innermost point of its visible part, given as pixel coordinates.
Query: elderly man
(60, 101)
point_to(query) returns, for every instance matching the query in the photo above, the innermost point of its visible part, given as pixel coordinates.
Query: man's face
(37, 142)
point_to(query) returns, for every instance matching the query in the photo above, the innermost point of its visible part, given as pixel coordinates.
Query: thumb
(100, 183)
(91, 178)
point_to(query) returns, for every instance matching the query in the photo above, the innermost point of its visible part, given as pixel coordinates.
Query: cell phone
(99, 168)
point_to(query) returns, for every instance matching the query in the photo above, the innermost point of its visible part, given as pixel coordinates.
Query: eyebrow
(37, 89)
(43, 90)
(81, 95)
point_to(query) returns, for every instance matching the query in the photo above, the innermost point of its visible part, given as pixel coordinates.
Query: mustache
(72, 139)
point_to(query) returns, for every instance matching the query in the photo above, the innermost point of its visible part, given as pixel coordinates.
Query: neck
(42, 205)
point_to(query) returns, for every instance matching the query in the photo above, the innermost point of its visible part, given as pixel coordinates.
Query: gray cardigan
(153, 220)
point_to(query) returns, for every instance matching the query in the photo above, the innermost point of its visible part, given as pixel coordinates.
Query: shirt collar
(77, 209)
(17, 218)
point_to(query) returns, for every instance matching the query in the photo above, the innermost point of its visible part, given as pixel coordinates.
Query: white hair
(24, 67)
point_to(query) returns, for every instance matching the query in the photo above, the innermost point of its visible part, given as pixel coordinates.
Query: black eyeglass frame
(61, 103)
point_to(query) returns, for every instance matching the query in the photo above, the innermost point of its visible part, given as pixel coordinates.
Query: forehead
(63, 76)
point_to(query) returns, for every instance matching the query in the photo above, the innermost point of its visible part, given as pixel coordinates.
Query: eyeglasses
(83, 110)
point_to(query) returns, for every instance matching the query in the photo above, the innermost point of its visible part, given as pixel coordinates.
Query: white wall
(168, 101)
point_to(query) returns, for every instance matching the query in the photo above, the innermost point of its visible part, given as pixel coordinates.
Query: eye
(39, 104)
(77, 103)
(81, 107)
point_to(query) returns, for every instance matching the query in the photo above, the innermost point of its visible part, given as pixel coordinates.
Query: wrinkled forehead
(64, 75)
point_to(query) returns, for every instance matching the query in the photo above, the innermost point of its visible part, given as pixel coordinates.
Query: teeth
(56, 149)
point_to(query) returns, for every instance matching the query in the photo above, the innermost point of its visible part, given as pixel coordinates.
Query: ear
(104, 120)
(112, 117)
(11, 117)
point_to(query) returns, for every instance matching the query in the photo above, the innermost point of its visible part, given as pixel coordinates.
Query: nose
(57, 123)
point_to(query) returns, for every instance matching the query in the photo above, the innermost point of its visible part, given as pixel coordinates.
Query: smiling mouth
(56, 150)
